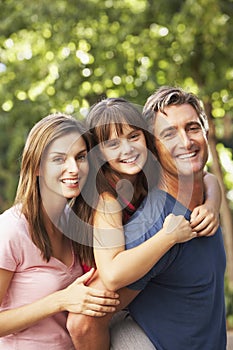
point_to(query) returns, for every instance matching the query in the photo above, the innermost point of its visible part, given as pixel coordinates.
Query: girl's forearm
(130, 265)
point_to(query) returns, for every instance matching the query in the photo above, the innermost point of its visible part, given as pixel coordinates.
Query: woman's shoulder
(13, 214)
(12, 221)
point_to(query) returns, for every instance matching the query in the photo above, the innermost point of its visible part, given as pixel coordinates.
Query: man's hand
(204, 220)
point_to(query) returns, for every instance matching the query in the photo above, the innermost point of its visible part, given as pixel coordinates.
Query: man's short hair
(166, 96)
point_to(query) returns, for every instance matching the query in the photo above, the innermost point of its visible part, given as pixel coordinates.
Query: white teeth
(130, 160)
(69, 181)
(186, 156)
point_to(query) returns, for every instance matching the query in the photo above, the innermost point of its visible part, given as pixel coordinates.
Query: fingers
(86, 277)
(78, 298)
(206, 229)
(202, 223)
(195, 222)
(207, 226)
(103, 294)
(102, 301)
(198, 216)
(102, 308)
(94, 306)
(194, 214)
(102, 304)
(205, 221)
(96, 313)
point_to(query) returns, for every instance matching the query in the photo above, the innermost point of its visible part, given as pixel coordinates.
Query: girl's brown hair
(116, 112)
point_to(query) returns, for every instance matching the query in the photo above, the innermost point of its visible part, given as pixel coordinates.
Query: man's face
(180, 140)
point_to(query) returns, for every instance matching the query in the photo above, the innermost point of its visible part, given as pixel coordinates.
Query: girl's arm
(119, 267)
(76, 298)
(205, 218)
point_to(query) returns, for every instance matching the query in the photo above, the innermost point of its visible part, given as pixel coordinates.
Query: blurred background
(66, 55)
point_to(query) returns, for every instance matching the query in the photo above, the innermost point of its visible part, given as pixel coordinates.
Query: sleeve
(148, 220)
(9, 243)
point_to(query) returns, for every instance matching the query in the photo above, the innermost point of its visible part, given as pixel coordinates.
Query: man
(180, 303)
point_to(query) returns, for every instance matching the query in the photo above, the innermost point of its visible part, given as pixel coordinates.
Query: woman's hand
(204, 220)
(81, 299)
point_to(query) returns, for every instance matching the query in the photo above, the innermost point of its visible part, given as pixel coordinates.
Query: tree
(65, 55)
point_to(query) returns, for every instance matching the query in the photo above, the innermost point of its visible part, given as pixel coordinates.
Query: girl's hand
(179, 227)
(81, 299)
(204, 220)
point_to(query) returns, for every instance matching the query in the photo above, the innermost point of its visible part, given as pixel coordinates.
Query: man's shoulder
(157, 203)
(149, 208)
(155, 198)
(149, 217)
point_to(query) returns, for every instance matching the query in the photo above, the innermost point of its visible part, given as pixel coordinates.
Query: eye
(169, 134)
(58, 160)
(194, 128)
(111, 143)
(135, 135)
(82, 157)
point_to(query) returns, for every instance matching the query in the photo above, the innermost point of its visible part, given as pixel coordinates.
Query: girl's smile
(126, 153)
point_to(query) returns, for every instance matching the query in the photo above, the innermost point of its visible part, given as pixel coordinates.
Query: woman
(39, 269)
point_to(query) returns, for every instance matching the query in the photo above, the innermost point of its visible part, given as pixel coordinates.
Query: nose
(72, 166)
(185, 139)
(126, 147)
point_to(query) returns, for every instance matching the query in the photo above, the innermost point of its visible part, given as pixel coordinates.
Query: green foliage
(65, 55)
(229, 304)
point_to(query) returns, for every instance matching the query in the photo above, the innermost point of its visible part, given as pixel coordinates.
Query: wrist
(170, 238)
(58, 301)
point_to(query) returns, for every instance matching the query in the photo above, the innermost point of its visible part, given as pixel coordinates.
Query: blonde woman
(40, 273)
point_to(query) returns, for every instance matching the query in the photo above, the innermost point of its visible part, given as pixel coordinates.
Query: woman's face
(64, 167)
(125, 153)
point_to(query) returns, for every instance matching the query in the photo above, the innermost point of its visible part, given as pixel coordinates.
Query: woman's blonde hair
(28, 195)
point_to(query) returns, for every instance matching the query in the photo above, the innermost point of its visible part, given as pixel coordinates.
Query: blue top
(181, 305)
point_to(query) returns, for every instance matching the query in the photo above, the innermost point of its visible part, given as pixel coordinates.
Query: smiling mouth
(130, 160)
(187, 155)
(70, 181)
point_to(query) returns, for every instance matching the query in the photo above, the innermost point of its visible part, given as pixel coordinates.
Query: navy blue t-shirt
(181, 303)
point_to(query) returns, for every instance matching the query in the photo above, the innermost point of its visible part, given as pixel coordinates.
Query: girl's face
(64, 167)
(125, 153)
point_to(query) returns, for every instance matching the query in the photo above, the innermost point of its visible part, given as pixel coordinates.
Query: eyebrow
(123, 135)
(170, 128)
(63, 153)
(194, 122)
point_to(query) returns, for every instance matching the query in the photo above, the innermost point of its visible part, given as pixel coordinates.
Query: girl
(39, 270)
(126, 150)
(127, 171)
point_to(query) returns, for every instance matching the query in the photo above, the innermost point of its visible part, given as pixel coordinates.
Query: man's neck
(188, 190)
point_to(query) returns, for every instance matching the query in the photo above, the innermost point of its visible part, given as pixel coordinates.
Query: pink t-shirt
(33, 279)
